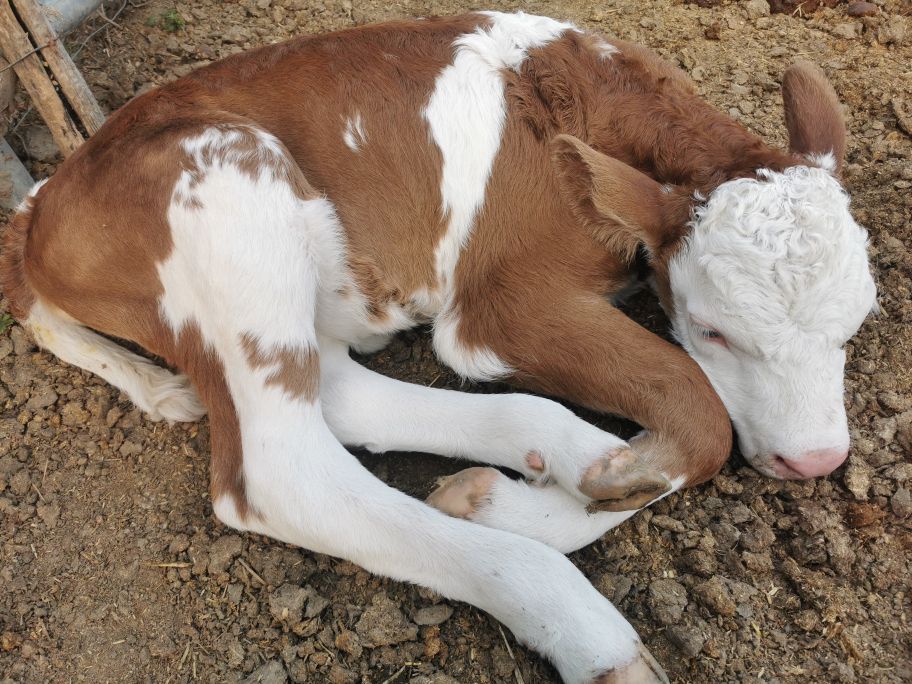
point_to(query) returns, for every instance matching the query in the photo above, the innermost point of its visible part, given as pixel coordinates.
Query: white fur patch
(156, 391)
(779, 268)
(354, 135)
(479, 364)
(466, 115)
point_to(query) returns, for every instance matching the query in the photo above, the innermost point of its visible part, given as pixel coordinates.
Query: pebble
(40, 144)
(687, 638)
(432, 615)
(861, 9)
(316, 604)
(667, 600)
(901, 503)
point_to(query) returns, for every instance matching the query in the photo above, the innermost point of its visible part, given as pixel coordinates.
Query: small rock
(901, 503)
(271, 672)
(689, 637)
(40, 144)
(714, 595)
(22, 343)
(861, 9)
(432, 615)
(894, 401)
(383, 624)
(436, 678)
(316, 604)
(286, 604)
(222, 551)
(849, 30)
(340, 675)
(757, 8)
(667, 600)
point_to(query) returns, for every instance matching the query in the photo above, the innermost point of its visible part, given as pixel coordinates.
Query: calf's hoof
(641, 670)
(620, 481)
(461, 494)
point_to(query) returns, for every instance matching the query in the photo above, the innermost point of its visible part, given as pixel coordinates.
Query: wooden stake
(71, 81)
(19, 52)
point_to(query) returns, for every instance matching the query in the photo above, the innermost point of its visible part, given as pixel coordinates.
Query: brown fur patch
(296, 370)
(13, 282)
(812, 113)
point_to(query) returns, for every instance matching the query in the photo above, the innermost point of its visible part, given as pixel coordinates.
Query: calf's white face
(770, 285)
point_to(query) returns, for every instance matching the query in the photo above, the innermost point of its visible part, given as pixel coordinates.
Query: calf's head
(764, 280)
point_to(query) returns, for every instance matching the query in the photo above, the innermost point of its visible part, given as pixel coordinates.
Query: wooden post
(19, 52)
(71, 81)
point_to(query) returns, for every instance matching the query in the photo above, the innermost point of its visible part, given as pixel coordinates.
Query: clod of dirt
(287, 603)
(383, 624)
(901, 503)
(316, 604)
(271, 672)
(432, 615)
(667, 600)
(893, 31)
(438, 678)
(757, 8)
(350, 643)
(714, 595)
(222, 551)
(689, 636)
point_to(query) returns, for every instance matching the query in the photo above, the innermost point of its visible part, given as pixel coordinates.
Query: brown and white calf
(495, 175)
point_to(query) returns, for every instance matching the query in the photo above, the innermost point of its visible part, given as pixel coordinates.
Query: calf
(495, 175)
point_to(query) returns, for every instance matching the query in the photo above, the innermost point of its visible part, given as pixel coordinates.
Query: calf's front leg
(573, 344)
(532, 435)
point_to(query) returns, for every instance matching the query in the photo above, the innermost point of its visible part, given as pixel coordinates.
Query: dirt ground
(112, 567)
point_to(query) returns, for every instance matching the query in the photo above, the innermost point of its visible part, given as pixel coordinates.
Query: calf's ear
(813, 116)
(621, 207)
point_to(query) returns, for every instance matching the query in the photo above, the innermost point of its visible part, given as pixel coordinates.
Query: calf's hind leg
(297, 483)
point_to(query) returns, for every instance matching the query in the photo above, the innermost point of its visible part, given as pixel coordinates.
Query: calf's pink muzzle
(810, 464)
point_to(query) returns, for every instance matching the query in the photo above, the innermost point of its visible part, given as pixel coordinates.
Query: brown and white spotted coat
(494, 175)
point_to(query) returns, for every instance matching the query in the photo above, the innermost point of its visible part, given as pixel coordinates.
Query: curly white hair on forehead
(781, 252)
